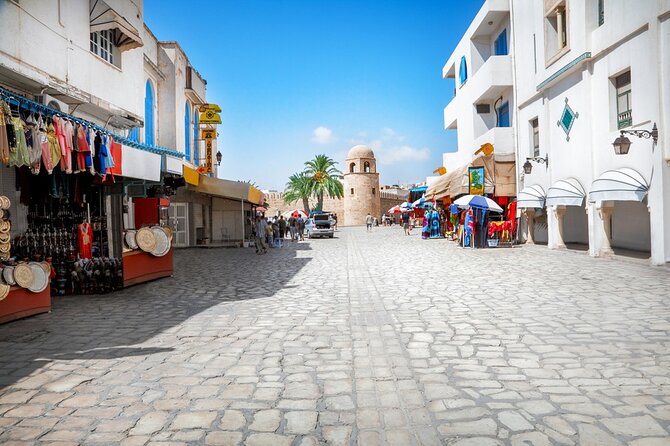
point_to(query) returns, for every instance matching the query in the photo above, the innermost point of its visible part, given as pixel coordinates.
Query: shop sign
(209, 117)
(204, 107)
(208, 135)
(476, 180)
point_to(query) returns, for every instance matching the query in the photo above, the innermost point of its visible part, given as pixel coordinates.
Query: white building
(483, 106)
(577, 73)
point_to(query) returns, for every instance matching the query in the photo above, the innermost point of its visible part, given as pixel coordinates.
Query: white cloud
(390, 147)
(322, 135)
(403, 153)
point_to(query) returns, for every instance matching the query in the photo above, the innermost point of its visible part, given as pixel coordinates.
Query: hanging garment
(43, 141)
(53, 145)
(65, 148)
(104, 155)
(425, 230)
(67, 134)
(19, 156)
(34, 146)
(85, 240)
(434, 225)
(83, 148)
(9, 125)
(88, 159)
(4, 141)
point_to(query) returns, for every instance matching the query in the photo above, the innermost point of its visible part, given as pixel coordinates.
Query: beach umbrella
(406, 206)
(396, 210)
(478, 202)
(422, 203)
(295, 213)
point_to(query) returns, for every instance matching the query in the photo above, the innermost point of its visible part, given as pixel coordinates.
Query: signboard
(476, 180)
(209, 117)
(208, 135)
(213, 107)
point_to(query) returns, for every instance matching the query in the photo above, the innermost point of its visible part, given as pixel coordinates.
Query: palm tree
(324, 179)
(298, 188)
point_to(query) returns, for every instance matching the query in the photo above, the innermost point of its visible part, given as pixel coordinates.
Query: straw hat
(146, 239)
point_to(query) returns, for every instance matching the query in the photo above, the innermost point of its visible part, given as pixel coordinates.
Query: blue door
(503, 115)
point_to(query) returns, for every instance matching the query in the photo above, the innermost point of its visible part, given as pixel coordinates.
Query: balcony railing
(625, 119)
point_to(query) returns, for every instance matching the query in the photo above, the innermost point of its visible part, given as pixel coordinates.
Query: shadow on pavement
(110, 326)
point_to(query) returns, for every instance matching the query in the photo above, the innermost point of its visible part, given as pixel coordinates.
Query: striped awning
(567, 192)
(531, 197)
(623, 184)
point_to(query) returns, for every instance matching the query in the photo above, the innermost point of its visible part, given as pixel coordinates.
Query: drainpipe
(512, 45)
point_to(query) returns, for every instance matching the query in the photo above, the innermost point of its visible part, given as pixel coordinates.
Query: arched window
(366, 167)
(196, 136)
(463, 71)
(149, 114)
(352, 167)
(187, 131)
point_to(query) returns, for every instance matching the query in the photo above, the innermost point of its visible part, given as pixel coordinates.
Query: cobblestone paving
(362, 340)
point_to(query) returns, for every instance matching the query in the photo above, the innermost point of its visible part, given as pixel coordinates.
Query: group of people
(271, 232)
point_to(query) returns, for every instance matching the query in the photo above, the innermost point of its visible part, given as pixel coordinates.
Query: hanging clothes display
(19, 156)
(85, 240)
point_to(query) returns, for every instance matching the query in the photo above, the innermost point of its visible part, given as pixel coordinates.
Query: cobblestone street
(365, 339)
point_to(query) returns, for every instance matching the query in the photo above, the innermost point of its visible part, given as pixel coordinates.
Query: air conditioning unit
(136, 190)
(52, 102)
(483, 108)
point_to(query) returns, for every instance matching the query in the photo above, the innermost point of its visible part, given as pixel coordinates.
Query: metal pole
(242, 201)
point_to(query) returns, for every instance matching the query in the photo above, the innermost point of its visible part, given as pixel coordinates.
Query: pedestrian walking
(335, 221)
(282, 227)
(261, 233)
(300, 224)
(368, 222)
(405, 223)
(291, 228)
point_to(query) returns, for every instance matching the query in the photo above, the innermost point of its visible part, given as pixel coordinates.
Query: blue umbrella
(422, 202)
(478, 202)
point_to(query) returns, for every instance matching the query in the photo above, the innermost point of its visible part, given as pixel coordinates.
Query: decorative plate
(4, 290)
(5, 226)
(23, 275)
(168, 231)
(4, 237)
(46, 267)
(4, 202)
(41, 278)
(146, 239)
(8, 275)
(162, 242)
(5, 247)
(130, 238)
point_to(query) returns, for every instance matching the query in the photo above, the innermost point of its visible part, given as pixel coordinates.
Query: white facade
(569, 53)
(629, 37)
(481, 69)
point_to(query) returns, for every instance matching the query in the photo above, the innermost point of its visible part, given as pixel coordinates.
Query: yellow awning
(103, 18)
(255, 195)
(191, 176)
(499, 179)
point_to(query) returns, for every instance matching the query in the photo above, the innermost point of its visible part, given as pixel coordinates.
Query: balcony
(491, 80)
(451, 114)
(195, 86)
(502, 139)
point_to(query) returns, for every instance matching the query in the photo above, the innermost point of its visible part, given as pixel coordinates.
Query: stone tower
(361, 186)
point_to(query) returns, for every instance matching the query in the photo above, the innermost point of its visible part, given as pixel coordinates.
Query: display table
(21, 303)
(140, 267)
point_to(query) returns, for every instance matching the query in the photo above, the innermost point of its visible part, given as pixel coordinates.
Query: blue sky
(298, 78)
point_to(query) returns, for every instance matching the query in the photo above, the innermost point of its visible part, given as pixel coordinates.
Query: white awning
(623, 184)
(568, 192)
(103, 17)
(531, 197)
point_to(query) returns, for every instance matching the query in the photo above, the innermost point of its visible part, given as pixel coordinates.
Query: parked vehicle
(319, 225)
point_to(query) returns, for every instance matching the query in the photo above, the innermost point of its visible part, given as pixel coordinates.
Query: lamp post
(528, 167)
(218, 157)
(622, 144)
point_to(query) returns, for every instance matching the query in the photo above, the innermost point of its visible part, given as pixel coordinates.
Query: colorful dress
(19, 157)
(54, 149)
(434, 224)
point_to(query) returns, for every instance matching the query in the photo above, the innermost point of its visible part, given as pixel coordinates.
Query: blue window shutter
(149, 114)
(196, 136)
(463, 71)
(501, 43)
(134, 134)
(503, 115)
(187, 131)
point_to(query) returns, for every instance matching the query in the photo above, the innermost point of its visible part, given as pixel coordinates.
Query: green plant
(324, 179)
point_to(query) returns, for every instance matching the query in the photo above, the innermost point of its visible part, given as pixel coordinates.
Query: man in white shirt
(368, 222)
(261, 233)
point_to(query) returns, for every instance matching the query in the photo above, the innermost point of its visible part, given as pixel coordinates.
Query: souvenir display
(23, 275)
(162, 242)
(40, 277)
(8, 275)
(146, 239)
(4, 290)
(130, 240)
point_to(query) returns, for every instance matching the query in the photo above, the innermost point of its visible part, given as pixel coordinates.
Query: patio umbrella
(406, 206)
(478, 202)
(295, 213)
(422, 203)
(395, 210)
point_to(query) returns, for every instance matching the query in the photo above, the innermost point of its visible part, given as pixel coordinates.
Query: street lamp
(622, 144)
(528, 167)
(218, 157)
